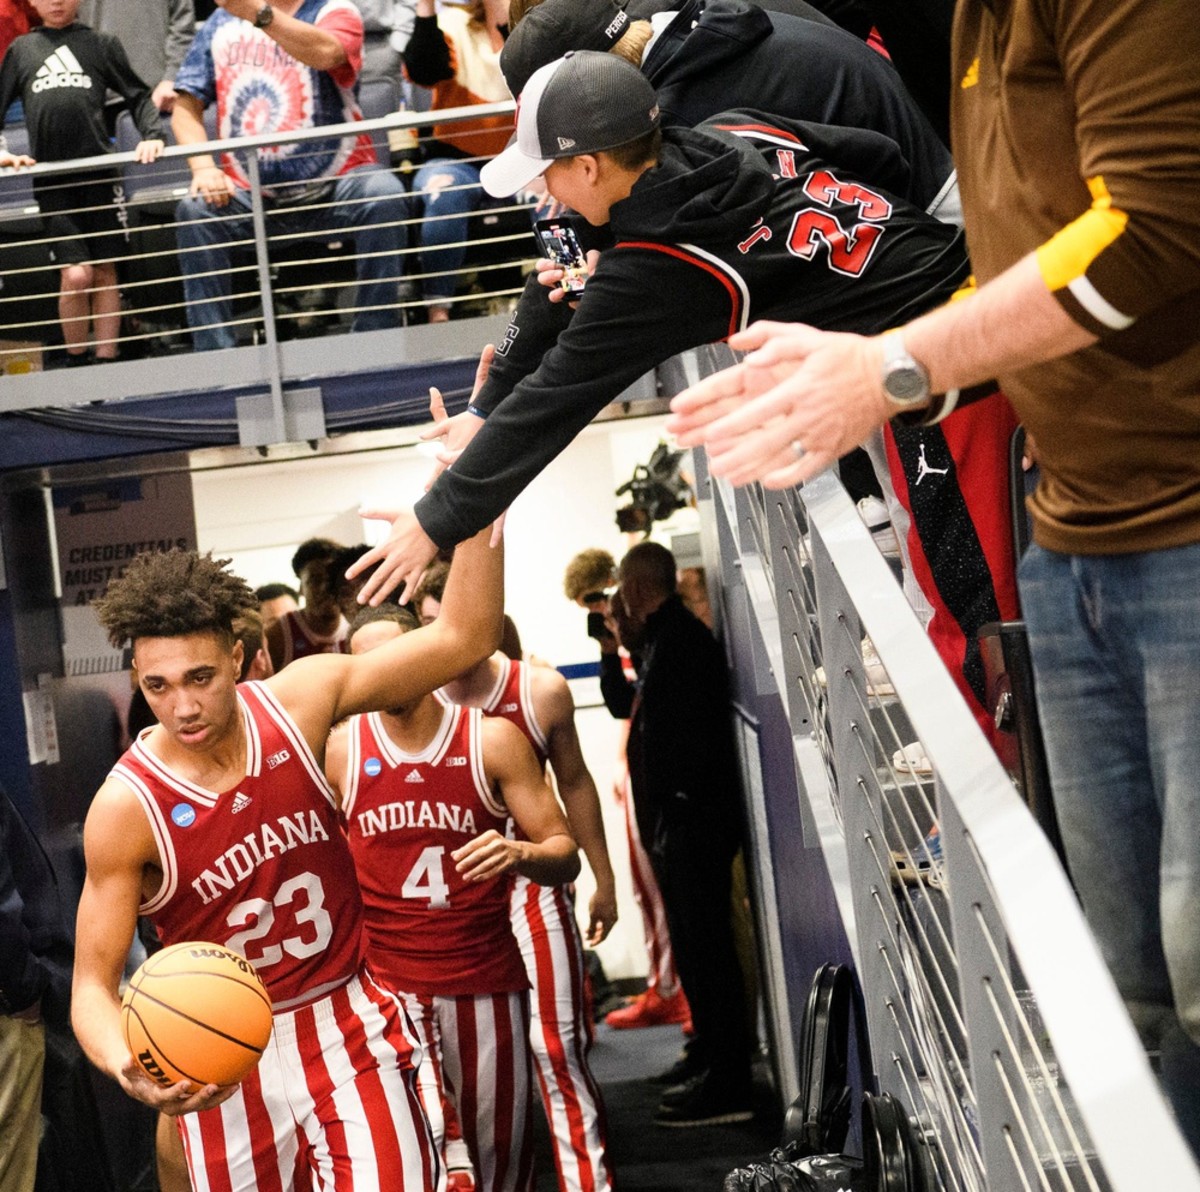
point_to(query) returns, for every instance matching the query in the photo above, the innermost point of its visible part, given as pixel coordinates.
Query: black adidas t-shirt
(62, 76)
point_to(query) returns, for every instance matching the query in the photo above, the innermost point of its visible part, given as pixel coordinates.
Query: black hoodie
(745, 217)
(735, 55)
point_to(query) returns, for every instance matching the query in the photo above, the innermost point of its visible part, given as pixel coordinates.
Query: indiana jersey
(299, 641)
(428, 930)
(262, 868)
(512, 699)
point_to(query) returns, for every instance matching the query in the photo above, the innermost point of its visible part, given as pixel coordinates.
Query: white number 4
(425, 878)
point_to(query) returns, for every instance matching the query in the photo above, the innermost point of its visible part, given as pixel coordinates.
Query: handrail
(325, 132)
(992, 1015)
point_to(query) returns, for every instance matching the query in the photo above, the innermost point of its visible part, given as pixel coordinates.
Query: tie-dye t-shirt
(260, 89)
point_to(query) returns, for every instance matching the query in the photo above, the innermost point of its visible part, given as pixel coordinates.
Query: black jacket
(735, 55)
(683, 764)
(64, 106)
(746, 217)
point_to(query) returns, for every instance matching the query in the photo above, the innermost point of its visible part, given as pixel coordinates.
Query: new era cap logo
(566, 142)
(61, 69)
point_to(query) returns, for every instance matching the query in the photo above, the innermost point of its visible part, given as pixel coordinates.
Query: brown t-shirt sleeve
(1130, 69)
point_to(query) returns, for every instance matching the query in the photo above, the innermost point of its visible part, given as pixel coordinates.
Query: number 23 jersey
(263, 868)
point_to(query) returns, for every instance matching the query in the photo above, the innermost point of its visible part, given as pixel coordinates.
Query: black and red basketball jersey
(299, 641)
(428, 930)
(512, 699)
(262, 868)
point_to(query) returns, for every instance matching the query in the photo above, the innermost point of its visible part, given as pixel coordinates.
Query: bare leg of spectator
(74, 307)
(106, 310)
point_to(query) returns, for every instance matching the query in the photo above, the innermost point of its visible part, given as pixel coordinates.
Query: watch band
(264, 16)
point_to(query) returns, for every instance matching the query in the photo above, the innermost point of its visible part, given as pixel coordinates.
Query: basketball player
(426, 790)
(219, 824)
(319, 627)
(538, 701)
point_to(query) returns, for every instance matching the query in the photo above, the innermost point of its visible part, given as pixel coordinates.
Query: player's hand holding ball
(196, 1018)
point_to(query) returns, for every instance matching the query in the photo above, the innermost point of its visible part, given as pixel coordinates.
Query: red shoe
(460, 1181)
(649, 1009)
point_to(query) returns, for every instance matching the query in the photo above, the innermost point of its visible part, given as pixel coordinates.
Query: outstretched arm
(549, 857)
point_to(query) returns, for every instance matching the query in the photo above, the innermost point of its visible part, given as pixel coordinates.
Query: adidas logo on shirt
(240, 803)
(61, 69)
(414, 776)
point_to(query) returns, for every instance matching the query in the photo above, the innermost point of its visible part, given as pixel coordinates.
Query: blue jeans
(445, 227)
(369, 199)
(1115, 641)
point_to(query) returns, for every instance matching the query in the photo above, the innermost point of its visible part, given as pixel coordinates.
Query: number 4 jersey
(428, 930)
(745, 217)
(263, 868)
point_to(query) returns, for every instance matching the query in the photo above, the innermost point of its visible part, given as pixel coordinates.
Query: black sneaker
(705, 1101)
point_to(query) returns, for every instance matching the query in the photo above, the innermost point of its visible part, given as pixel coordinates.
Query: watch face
(906, 384)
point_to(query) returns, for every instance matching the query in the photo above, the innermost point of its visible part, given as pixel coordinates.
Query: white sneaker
(912, 760)
(874, 513)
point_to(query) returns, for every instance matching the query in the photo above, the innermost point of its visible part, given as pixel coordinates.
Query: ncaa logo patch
(183, 815)
(372, 766)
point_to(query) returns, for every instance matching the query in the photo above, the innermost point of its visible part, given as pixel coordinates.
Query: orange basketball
(196, 1012)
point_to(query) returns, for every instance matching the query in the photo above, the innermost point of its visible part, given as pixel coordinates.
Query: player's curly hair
(172, 593)
(433, 583)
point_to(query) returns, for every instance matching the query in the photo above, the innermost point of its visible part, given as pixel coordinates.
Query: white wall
(258, 515)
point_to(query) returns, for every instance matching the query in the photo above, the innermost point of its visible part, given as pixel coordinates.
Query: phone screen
(561, 245)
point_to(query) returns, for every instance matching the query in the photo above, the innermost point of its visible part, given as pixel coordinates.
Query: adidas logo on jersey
(61, 69)
(240, 803)
(414, 776)
(508, 707)
(456, 761)
(277, 759)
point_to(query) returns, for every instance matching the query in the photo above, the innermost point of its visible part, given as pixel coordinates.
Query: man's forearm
(582, 802)
(473, 602)
(1012, 322)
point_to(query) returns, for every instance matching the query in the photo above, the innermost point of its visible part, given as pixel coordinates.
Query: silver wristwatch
(905, 380)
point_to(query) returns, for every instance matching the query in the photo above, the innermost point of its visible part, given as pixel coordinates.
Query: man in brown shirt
(1076, 125)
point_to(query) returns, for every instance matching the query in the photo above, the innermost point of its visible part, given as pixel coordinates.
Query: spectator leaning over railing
(276, 69)
(457, 53)
(61, 72)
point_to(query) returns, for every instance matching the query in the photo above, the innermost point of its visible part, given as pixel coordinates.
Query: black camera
(597, 628)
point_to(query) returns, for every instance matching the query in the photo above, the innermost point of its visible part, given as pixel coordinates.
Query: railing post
(274, 371)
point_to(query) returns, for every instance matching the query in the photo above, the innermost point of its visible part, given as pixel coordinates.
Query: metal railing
(289, 282)
(992, 1017)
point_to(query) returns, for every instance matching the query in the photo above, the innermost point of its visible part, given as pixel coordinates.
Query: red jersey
(262, 868)
(428, 931)
(299, 641)
(512, 699)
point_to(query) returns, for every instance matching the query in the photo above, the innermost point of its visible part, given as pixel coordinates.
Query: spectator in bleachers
(275, 69)
(155, 33)
(62, 72)
(457, 53)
